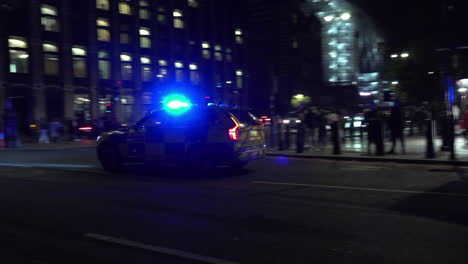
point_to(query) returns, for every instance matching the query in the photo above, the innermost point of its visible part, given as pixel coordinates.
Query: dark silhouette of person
(396, 123)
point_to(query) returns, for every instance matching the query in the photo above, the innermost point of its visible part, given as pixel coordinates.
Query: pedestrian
(43, 133)
(396, 123)
(55, 128)
(311, 124)
(465, 125)
(322, 128)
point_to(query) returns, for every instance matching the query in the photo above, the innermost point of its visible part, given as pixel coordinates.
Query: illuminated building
(63, 58)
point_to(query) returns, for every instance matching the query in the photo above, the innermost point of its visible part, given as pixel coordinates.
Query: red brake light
(234, 132)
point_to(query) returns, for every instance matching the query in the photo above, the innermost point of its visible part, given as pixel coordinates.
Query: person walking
(396, 123)
(43, 133)
(311, 123)
(55, 128)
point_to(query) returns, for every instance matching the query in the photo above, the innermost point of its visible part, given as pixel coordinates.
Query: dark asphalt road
(60, 207)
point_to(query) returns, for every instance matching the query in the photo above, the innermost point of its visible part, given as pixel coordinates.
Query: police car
(188, 134)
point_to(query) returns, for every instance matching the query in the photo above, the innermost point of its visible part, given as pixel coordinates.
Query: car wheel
(110, 158)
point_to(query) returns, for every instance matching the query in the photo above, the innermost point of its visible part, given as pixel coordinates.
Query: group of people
(316, 121)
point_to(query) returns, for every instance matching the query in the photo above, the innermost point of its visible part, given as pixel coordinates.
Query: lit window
(192, 3)
(145, 42)
(239, 81)
(144, 31)
(178, 19)
(125, 57)
(193, 67)
(239, 73)
(126, 71)
(178, 64)
(238, 32)
(124, 38)
(206, 54)
(102, 22)
(102, 4)
(144, 13)
(19, 57)
(103, 34)
(145, 60)
(78, 51)
(143, 3)
(162, 63)
(146, 73)
(48, 47)
(48, 10)
(104, 65)
(218, 56)
(49, 18)
(179, 75)
(205, 45)
(217, 47)
(239, 40)
(79, 61)
(51, 64)
(228, 50)
(17, 42)
(194, 74)
(124, 7)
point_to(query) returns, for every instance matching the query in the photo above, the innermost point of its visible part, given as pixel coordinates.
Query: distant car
(200, 136)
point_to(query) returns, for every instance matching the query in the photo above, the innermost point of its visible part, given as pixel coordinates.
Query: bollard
(336, 138)
(300, 139)
(287, 135)
(379, 137)
(280, 136)
(430, 133)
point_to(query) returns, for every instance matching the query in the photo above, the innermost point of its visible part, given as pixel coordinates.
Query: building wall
(44, 77)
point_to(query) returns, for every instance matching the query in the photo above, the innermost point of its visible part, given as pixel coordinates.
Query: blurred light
(205, 45)
(357, 124)
(298, 121)
(160, 76)
(462, 90)
(193, 66)
(345, 16)
(364, 93)
(299, 96)
(238, 32)
(23, 56)
(394, 56)
(404, 55)
(285, 121)
(395, 82)
(32, 126)
(431, 72)
(176, 104)
(239, 73)
(374, 92)
(85, 128)
(177, 13)
(328, 18)
(228, 82)
(178, 64)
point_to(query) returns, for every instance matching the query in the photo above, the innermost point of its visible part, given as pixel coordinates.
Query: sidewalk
(357, 150)
(65, 145)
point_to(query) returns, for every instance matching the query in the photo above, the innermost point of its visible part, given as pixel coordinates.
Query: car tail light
(85, 128)
(234, 132)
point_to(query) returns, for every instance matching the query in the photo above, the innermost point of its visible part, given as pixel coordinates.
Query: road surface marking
(45, 165)
(359, 188)
(157, 249)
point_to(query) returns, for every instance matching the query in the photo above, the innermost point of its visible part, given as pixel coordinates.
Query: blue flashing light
(176, 104)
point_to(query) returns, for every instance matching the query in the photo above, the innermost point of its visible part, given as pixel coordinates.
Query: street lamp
(395, 82)
(328, 18)
(405, 55)
(394, 56)
(345, 16)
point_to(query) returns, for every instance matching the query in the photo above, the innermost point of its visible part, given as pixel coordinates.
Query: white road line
(360, 189)
(45, 165)
(157, 249)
